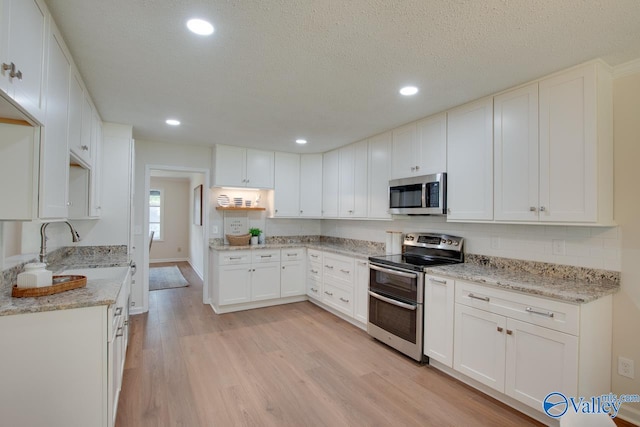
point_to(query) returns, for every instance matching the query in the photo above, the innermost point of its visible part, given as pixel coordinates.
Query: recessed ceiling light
(173, 122)
(200, 27)
(301, 141)
(408, 90)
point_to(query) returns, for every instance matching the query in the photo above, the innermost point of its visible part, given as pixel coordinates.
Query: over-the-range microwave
(420, 195)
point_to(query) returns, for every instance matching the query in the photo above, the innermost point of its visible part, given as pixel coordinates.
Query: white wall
(593, 247)
(155, 153)
(196, 232)
(626, 303)
(174, 243)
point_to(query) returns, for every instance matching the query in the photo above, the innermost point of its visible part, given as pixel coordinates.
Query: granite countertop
(576, 290)
(347, 250)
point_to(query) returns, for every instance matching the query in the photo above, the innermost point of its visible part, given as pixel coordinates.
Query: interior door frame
(206, 298)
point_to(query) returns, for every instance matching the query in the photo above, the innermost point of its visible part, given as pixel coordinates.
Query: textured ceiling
(326, 70)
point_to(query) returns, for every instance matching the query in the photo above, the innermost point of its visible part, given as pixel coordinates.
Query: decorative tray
(60, 284)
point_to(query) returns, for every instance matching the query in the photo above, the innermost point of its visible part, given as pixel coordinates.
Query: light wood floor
(293, 365)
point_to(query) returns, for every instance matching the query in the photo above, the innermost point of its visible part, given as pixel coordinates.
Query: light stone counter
(575, 285)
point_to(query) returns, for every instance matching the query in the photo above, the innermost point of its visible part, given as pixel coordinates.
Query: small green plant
(255, 231)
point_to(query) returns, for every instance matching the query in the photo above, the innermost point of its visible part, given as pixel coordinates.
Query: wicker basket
(240, 240)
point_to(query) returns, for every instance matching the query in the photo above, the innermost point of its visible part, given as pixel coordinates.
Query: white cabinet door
(259, 169)
(234, 284)
(515, 144)
(479, 345)
(470, 161)
(230, 163)
(286, 193)
(360, 181)
(539, 361)
(54, 150)
(95, 195)
(346, 179)
(76, 100)
(403, 159)
(292, 279)
(439, 297)
(330, 183)
(311, 185)
(568, 147)
(379, 172)
(431, 145)
(86, 150)
(361, 309)
(265, 281)
(23, 30)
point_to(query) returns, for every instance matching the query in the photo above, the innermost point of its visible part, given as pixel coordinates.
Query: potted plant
(255, 232)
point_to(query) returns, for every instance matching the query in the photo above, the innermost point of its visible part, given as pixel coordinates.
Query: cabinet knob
(300, 210)
(350, 212)
(499, 329)
(533, 209)
(283, 267)
(417, 168)
(542, 209)
(509, 332)
(413, 168)
(19, 75)
(84, 147)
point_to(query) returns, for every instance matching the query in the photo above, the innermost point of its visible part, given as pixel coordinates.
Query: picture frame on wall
(197, 205)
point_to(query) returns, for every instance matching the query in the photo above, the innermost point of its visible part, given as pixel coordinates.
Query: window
(155, 214)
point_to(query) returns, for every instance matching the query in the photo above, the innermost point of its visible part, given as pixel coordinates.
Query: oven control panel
(436, 241)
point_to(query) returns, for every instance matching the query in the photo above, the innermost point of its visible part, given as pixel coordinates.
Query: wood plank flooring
(290, 365)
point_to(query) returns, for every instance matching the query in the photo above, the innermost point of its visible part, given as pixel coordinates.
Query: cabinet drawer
(293, 254)
(339, 268)
(314, 289)
(339, 298)
(314, 255)
(267, 255)
(234, 257)
(314, 271)
(551, 314)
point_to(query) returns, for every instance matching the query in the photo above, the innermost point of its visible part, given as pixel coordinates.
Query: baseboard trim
(158, 261)
(630, 414)
(339, 314)
(256, 304)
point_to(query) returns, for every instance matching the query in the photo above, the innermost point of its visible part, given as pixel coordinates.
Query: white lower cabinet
(438, 318)
(292, 274)
(527, 347)
(265, 281)
(361, 296)
(314, 274)
(238, 278)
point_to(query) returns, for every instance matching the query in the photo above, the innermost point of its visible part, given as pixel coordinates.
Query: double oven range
(396, 289)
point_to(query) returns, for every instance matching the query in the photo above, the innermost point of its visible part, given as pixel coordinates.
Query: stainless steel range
(396, 289)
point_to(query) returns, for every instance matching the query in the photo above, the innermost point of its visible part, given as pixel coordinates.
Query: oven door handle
(393, 302)
(393, 272)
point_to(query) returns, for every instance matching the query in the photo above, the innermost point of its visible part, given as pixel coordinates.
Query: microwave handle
(392, 301)
(393, 272)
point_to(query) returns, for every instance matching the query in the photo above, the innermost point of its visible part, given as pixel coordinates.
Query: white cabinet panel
(352, 176)
(516, 154)
(230, 164)
(259, 169)
(330, 183)
(439, 297)
(76, 99)
(379, 172)
(265, 281)
(432, 144)
(293, 275)
(403, 157)
(95, 196)
(54, 150)
(361, 292)
(287, 185)
(234, 284)
(479, 349)
(311, 185)
(470, 161)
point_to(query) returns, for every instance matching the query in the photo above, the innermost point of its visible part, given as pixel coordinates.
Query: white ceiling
(326, 70)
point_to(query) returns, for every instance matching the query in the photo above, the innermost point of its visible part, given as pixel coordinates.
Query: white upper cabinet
(432, 144)
(311, 185)
(22, 54)
(330, 183)
(242, 167)
(379, 174)
(403, 158)
(54, 150)
(576, 146)
(470, 161)
(516, 154)
(420, 148)
(76, 99)
(95, 196)
(287, 185)
(353, 180)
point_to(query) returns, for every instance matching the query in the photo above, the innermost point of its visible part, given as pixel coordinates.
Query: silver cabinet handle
(314, 290)
(417, 168)
(235, 257)
(118, 311)
(477, 297)
(393, 272)
(541, 313)
(330, 267)
(345, 271)
(265, 256)
(134, 268)
(294, 254)
(533, 209)
(313, 256)
(393, 302)
(314, 271)
(126, 323)
(119, 334)
(84, 147)
(344, 299)
(328, 293)
(442, 282)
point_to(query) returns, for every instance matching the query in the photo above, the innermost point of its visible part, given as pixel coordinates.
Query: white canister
(35, 275)
(396, 242)
(389, 243)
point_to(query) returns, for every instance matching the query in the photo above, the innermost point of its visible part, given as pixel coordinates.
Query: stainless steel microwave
(420, 195)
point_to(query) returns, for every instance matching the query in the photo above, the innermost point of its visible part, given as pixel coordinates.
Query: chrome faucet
(75, 237)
